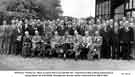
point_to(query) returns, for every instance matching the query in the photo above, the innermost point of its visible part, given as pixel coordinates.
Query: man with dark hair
(132, 24)
(87, 44)
(105, 50)
(115, 42)
(68, 43)
(2, 29)
(126, 40)
(70, 29)
(60, 29)
(110, 37)
(77, 41)
(26, 44)
(5, 40)
(36, 40)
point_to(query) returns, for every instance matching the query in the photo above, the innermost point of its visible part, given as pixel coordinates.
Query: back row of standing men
(118, 35)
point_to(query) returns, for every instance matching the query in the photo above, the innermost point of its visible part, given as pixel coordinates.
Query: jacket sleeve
(131, 34)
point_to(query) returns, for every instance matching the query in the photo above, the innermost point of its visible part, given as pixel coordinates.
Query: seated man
(77, 39)
(55, 39)
(36, 41)
(68, 44)
(86, 45)
(77, 42)
(97, 42)
(18, 45)
(56, 43)
(87, 40)
(26, 44)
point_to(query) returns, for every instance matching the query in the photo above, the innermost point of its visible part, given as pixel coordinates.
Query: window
(130, 4)
(133, 3)
(127, 5)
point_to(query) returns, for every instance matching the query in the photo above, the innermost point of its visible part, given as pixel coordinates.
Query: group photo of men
(67, 34)
(95, 38)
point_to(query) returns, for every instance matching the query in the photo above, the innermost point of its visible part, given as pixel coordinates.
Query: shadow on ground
(19, 63)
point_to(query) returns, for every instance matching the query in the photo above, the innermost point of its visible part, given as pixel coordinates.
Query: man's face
(97, 33)
(126, 24)
(26, 21)
(13, 22)
(58, 20)
(121, 23)
(131, 24)
(98, 21)
(26, 33)
(62, 21)
(99, 27)
(90, 27)
(69, 25)
(124, 18)
(26, 25)
(107, 22)
(104, 25)
(111, 21)
(86, 33)
(56, 33)
(115, 24)
(132, 20)
(66, 33)
(92, 21)
(76, 33)
(4, 22)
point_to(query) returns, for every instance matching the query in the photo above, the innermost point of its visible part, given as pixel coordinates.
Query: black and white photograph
(69, 35)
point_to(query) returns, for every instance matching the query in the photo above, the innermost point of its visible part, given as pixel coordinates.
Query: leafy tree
(48, 9)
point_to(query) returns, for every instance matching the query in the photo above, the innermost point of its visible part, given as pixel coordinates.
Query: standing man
(5, 40)
(9, 31)
(1, 38)
(105, 50)
(126, 40)
(13, 37)
(115, 42)
(111, 37)
(132, 24)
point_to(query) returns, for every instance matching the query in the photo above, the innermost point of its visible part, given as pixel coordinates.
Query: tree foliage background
(48, 9)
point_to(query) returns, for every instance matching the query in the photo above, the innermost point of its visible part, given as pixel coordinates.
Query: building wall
(130, 7)
(103, 8)
(110, 8)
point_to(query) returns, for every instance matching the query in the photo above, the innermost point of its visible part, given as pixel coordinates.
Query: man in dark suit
(40, 28)
(106, 47)
(126, 40)
(115, 42)
(132, 24)
(70, 29)
(60, 29)
(110, 37)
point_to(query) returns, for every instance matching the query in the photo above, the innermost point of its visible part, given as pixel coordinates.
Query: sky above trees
(74, 8)
(78, 8)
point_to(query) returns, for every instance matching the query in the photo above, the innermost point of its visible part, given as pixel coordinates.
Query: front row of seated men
(78, 46)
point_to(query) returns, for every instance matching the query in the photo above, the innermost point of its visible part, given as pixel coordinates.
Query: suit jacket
(107, 35)
(61, 31)
(126, 36)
